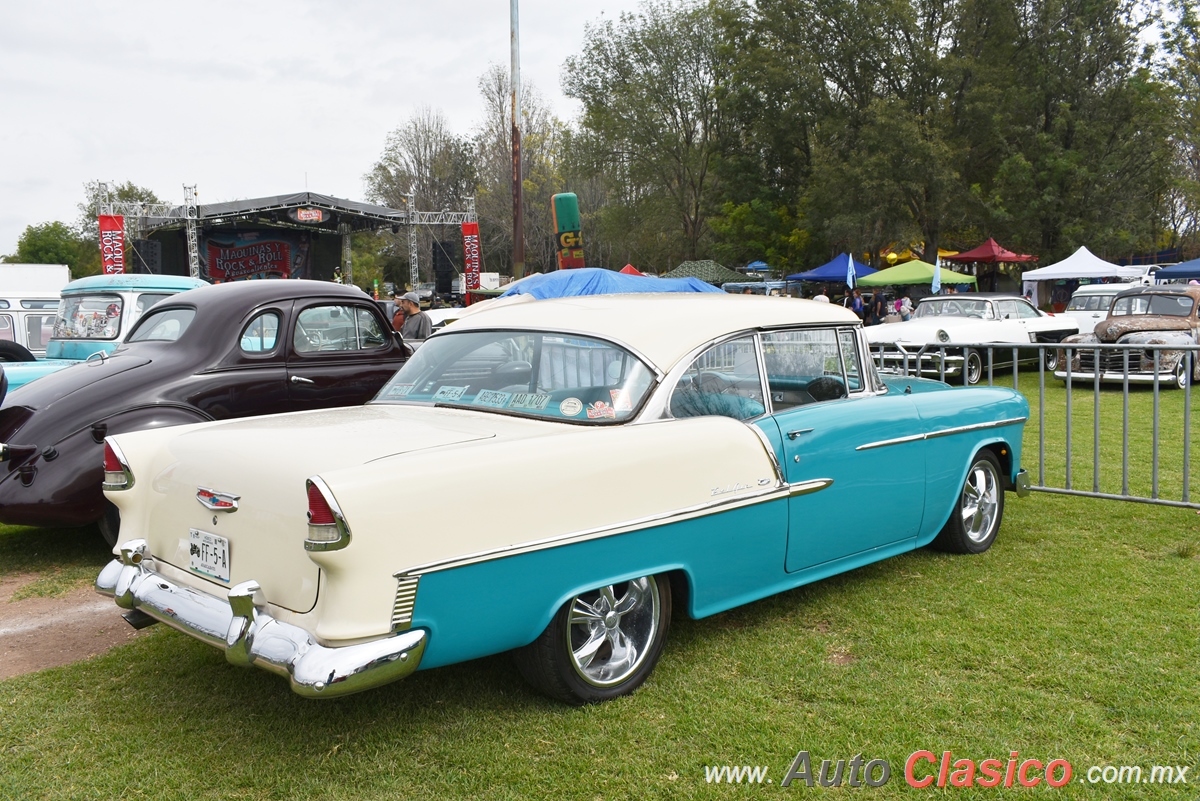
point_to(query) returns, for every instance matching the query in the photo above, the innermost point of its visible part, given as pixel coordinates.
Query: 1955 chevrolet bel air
(553, 479)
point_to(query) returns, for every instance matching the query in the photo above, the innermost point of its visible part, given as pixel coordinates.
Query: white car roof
(664, 327)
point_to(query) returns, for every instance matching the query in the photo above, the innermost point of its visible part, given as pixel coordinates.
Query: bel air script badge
(738, 487)
(217, 501)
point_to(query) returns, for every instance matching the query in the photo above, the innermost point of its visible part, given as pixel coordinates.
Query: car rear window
(536, 374)
(167, 325)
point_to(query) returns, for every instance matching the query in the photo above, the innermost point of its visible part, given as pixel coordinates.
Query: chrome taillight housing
(117, 475)
(327, 529)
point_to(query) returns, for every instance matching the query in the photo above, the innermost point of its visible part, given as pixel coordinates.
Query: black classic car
(218, 352)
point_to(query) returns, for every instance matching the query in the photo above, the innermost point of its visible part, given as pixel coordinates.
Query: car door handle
(798, 432)
(298, 380)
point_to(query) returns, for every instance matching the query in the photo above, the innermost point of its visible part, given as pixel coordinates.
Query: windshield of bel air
(537, 374)
(954, 307)
(1169, 305)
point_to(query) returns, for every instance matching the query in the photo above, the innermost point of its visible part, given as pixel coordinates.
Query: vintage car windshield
(1168, 305)
(89, 317)
(954, 307)
(547, 375)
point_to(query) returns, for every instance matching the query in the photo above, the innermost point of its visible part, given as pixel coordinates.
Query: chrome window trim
(945, 432)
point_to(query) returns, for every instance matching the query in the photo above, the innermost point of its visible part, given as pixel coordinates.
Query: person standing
(906, 309)
(397, 314)
(878, 308)
(417, 324)
(822, 298)
(856, 304)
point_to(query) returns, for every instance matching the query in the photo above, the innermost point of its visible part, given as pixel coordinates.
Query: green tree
(97, 193)
(651, 85)
(57, 243)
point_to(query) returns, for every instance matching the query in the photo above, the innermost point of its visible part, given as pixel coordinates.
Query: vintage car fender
(574, 487)
(72, 467)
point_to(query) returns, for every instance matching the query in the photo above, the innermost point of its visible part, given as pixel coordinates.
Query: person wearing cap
(417, 324)
(397, 314)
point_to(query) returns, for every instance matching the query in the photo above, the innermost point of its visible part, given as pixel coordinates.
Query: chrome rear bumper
(250, 636)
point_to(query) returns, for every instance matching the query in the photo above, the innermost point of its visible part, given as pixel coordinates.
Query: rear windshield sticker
(570, 407)
(449, 393)
(492, 398)
(621, 400)
(530, 401)
(600, 409)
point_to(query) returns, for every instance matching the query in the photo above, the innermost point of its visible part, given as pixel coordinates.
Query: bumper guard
(250, 636)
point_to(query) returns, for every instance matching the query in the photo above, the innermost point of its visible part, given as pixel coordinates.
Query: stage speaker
(147, 256)
(444, 254)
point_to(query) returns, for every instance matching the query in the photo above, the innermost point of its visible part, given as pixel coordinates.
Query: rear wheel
(110, 523)
(601, 644)
(12, 352)
(977, 513)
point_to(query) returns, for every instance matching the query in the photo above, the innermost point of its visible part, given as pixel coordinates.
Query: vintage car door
(340, 354)
(855, 460)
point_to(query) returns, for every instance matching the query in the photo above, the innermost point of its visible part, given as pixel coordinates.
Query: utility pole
(518, 211)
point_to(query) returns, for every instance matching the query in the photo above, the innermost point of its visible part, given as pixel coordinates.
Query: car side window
(723, 380)
(147, 299)
(261, 334)
(6, 328)
(337, 328)
(1007, 309)
(1026, 310)
(807, 366)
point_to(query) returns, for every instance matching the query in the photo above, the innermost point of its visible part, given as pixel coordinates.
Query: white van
(26, 324)
(1089, 303)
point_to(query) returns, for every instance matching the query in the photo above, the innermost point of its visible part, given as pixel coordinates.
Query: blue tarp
(833, 271)
(1187, 269)
(594, 281)
(758, 267)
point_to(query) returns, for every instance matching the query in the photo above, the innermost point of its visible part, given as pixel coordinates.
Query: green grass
(1075, 637)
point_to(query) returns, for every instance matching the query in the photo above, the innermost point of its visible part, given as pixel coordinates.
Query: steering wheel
(826, 388)
(313, 340)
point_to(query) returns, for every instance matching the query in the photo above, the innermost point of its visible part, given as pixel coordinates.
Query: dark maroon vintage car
(231, 350)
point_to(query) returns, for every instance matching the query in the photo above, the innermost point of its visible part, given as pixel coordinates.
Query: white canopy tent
(1080, 264)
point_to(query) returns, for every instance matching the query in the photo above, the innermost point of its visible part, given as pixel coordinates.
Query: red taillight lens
(116, 472)
(319, 513)
(111, 463)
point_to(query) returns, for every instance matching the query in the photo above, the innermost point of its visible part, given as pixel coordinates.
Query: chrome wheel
(980, 501)
(975, 520)
(973, 364)
(611, 630)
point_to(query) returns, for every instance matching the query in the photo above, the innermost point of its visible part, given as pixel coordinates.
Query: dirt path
(37, 633)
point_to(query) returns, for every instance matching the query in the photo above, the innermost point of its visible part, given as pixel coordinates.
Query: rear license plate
(209, 554)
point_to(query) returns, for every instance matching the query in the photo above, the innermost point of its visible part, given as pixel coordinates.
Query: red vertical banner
(112, 243)
(471, 255)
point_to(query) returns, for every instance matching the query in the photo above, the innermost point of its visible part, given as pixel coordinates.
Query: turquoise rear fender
(489, 607)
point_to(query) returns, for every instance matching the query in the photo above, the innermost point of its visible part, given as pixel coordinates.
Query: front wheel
(601, 644)
(977, 513)
(1181, 372)
(973, 365)
(1050, 359)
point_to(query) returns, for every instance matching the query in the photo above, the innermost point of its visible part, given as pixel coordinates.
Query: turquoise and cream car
(554, 479)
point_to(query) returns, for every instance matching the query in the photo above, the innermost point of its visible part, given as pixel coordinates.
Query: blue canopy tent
(595, 281)
(758, 267)
(1187, 269)
(834, 271)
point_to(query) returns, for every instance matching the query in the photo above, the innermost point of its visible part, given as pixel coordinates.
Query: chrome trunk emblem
(217, 501)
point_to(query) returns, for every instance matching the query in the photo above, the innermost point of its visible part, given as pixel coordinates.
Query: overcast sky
(245, 99)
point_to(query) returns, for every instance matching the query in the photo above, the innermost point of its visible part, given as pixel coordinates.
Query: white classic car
(968, 318)
(570, 472)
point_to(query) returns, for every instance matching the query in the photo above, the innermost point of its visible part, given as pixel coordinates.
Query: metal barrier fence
(1141, 378)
